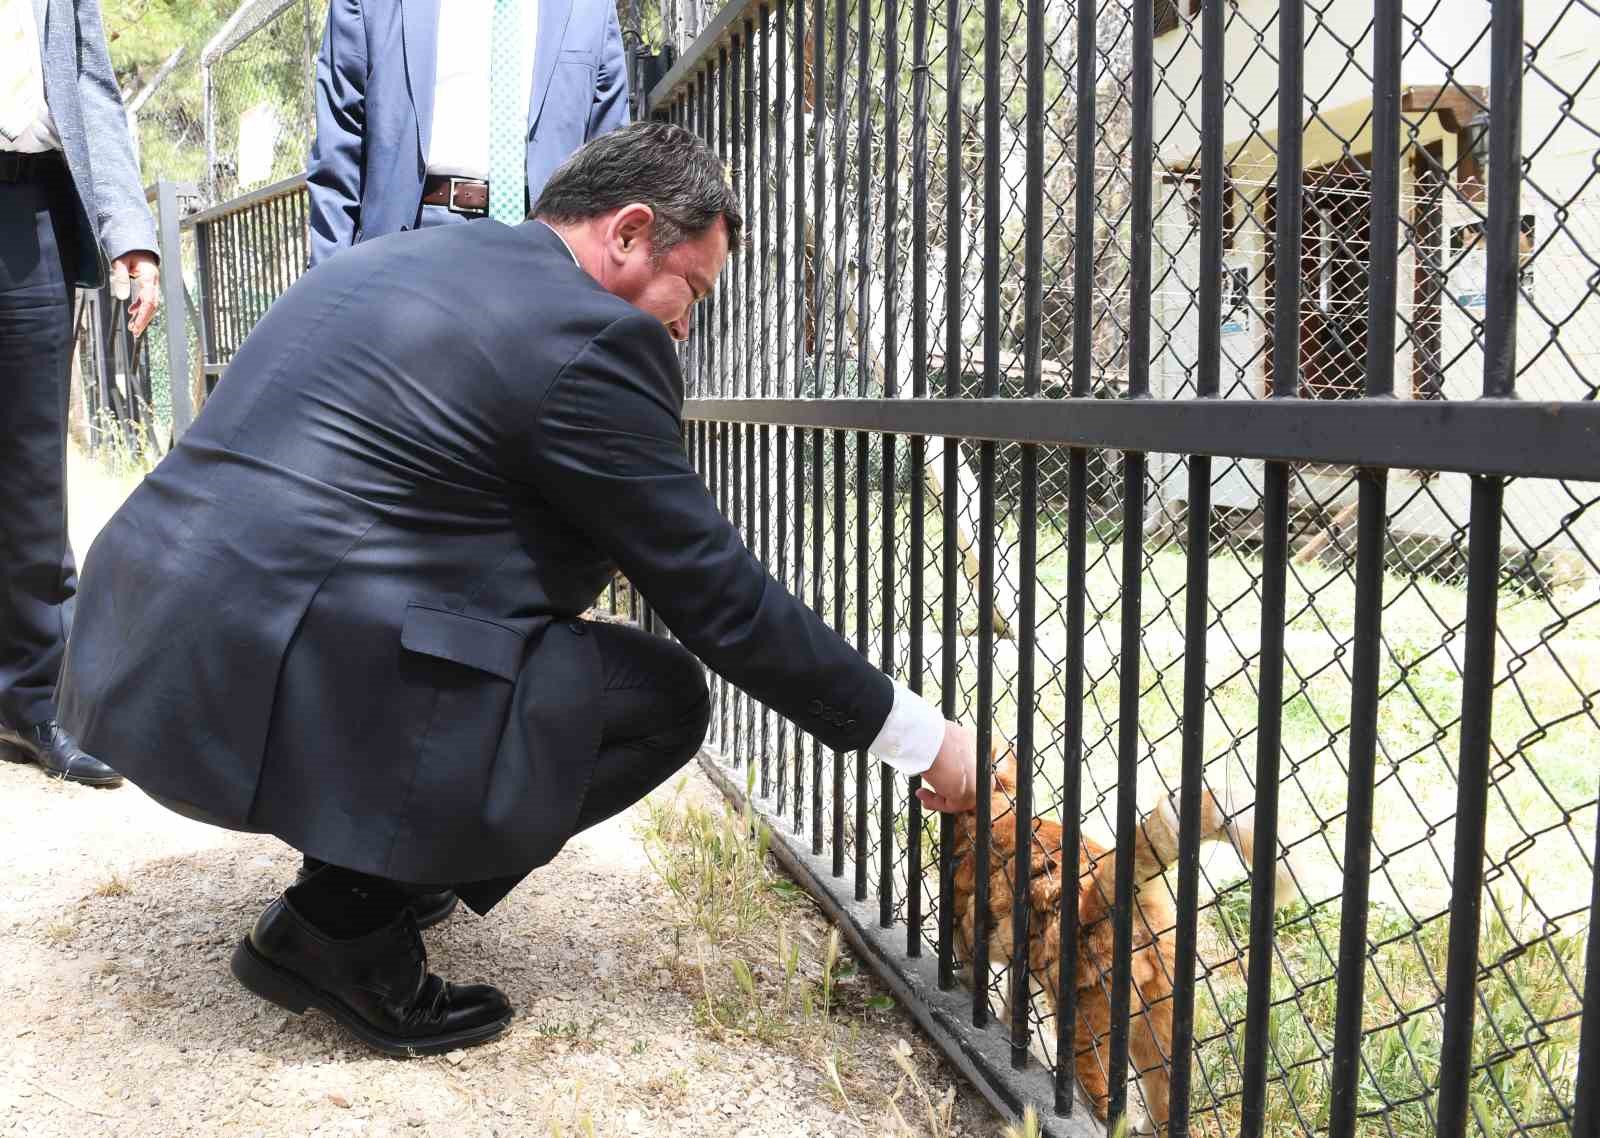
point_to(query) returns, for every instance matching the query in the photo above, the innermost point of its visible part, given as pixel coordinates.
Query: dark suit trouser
(37, 576)
(654, 713)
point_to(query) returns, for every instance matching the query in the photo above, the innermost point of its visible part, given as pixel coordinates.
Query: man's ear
(632, 225)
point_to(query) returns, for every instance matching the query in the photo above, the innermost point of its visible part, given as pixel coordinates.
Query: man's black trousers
(654, 713)
(38, 236)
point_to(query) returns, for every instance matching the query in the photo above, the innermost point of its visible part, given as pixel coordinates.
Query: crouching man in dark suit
(344, 609)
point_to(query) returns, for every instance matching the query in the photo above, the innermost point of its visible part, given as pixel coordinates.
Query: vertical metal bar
(1505, 199)
(886, 775)
(1499, 381)
(303, 231)
(891, 366)
(206, 270)
(863, 618)
(1274, 566)
(284, 225)
(1586, 1107)
(723, 687)
(171, 243)
(1028, 552)
(819, 79)
(225, 299)
(1472, 807)
(952, 379)
(841, 35)
(736, 297)
(837, 579)
(1132, 510)
(256, 283)
(775, 81)
(919, 388)
(863, 207)
(986, 526)
(237, 283)
(1372, 512)
(1358, 814)
(801, 312)
(797, 98)
(720, 303)
(747, 303)
(756, 332)
(1128, 680)
(1196, 588)
(1383, 241)
(818, 537)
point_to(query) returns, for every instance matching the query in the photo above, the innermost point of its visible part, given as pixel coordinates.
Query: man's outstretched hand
(951, 783)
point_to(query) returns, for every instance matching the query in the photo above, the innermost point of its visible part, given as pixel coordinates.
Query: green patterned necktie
(508, 114)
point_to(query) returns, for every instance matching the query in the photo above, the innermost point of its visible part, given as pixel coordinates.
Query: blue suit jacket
(375, 80)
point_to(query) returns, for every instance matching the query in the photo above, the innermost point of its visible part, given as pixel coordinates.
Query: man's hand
(951, 783)
(139, 267)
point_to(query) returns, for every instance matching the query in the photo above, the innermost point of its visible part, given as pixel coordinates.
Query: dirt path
(121, 1018)
(118, 1015)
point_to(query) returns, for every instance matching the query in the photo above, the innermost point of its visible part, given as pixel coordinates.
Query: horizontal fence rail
(1200, 399)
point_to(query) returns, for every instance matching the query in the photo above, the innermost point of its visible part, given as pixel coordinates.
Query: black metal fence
(136, 391)
(1198, 397)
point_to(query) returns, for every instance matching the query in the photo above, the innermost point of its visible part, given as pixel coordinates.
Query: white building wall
(1558, 332)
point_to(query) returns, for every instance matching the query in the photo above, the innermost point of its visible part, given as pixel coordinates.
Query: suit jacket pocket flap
(462, 639)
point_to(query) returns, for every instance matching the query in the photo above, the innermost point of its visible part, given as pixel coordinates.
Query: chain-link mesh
(831, 293)
(847, 289)
(260, 101)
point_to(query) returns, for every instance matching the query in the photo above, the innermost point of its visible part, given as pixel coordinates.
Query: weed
(114, 886)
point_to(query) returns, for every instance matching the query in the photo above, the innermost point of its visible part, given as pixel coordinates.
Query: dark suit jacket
(375, 80)
(340, 610)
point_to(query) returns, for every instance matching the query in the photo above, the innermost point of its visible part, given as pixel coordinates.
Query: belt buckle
(454, 180)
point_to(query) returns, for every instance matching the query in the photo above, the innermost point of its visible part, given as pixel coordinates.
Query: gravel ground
(118, 1015)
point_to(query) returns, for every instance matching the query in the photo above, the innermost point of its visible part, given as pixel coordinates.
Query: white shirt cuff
(912, 735)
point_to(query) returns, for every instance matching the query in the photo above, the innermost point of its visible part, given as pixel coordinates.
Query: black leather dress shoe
(378, 985)
(50, 745)
(429, 906)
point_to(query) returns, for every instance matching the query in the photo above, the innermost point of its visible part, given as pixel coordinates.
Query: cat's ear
(1003, 761)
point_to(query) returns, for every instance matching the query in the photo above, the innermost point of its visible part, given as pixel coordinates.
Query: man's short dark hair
(660, 165)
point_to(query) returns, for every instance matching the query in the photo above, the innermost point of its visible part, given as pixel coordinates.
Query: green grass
(1525, 1040)
(1540, 832)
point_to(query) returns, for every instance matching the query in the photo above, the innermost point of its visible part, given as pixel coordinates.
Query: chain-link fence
(1305, 239)
(258, 76)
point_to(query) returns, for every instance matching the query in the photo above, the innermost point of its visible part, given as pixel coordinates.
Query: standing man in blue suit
(430, 113)
(69, 196)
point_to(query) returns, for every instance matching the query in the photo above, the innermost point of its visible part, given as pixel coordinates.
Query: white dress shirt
(910, 738)
(459, 143)
(912, 735)
(26, 126)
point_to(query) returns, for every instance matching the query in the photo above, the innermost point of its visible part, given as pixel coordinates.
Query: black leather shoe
(378, 985)
(50, 745)
(429, 906)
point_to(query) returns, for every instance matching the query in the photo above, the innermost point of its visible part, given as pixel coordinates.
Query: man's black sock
(344, 904)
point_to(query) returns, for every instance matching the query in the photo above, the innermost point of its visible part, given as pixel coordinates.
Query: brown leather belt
(464, 195)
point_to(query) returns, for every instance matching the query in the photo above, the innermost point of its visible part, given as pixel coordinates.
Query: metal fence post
(172, 298)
